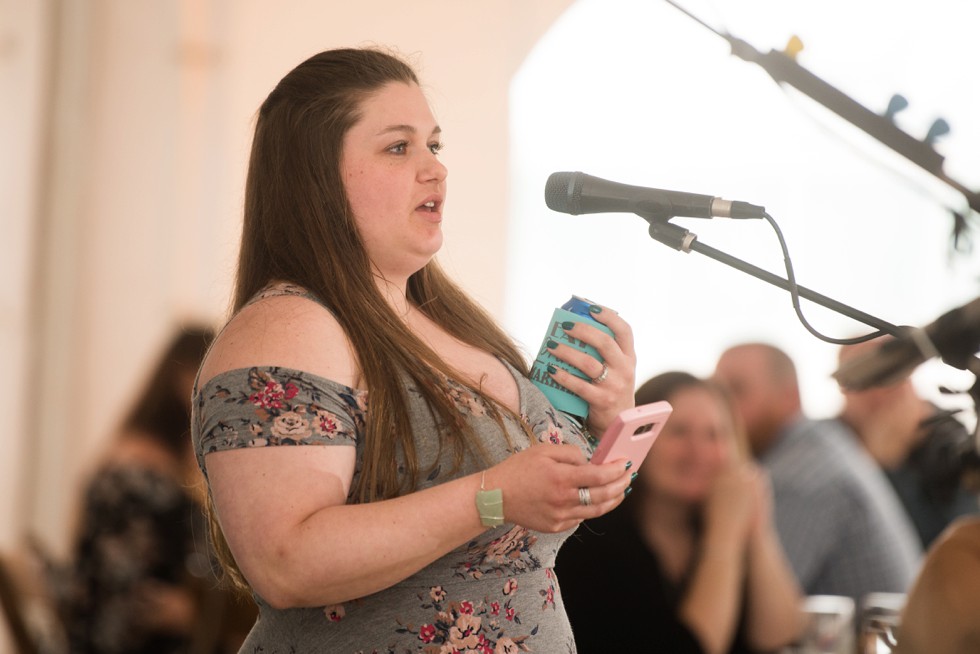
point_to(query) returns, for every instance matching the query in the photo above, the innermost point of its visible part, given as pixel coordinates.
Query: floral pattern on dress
(469, 627)
(467, 402)
(282, 288)
(495, 594)
(335, 612)
(553, 427)
(548, 593)
(286, 409)
(509, 554)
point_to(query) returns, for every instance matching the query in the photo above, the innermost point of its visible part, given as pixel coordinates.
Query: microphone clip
(675, 236)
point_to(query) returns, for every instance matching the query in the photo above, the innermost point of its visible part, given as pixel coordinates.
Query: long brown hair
(299, 228)
(667, 385)
(162, 409)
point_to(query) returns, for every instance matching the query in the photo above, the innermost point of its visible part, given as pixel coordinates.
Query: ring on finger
(584, 497)
(602, 375)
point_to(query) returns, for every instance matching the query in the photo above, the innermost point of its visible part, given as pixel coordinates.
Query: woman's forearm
(710, 608)
(774, 602)
(348, 551)
(299, 544)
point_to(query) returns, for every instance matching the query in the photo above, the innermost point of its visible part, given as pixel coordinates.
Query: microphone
(578, 193)
(953, 336)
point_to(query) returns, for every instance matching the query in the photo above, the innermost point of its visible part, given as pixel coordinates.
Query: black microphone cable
(794, 292)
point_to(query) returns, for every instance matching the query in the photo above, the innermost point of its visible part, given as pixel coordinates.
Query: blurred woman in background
(141, 577)
(691, 561)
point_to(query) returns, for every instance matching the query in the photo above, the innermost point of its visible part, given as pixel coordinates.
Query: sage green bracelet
(490, 504)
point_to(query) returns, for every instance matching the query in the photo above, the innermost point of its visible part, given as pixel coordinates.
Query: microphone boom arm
(683, 240)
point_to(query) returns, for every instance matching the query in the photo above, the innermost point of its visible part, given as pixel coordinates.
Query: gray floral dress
(496, 594)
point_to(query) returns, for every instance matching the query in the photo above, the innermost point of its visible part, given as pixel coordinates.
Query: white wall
(23, 64)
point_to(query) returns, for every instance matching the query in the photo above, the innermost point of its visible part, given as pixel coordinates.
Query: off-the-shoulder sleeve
(267, 406)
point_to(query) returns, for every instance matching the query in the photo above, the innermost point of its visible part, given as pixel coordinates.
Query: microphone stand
(683, 240)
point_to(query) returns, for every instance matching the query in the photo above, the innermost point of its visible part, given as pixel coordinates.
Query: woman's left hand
(611, 387)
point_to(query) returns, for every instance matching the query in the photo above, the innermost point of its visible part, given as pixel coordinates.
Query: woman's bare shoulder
(290, 331)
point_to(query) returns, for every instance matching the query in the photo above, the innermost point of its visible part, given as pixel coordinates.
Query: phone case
(632, 433)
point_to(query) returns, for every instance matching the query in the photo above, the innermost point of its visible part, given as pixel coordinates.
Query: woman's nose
(433, 169)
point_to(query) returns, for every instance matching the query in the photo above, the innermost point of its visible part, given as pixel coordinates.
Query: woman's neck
(667, 528)
(672, 516)
(394, 293)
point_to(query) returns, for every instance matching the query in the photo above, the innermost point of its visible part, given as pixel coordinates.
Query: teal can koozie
(575, 310)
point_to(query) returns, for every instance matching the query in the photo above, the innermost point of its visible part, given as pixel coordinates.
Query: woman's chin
(692, 495)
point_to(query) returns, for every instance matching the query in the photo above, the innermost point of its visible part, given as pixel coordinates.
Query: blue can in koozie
(575, 310)
(578, 305)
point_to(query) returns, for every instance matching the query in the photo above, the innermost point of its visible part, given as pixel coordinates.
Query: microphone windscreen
(561, 193)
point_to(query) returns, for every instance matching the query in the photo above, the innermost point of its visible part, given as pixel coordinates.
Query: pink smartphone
(632, 433)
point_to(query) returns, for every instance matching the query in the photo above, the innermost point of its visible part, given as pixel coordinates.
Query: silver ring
(602, 375)
(584, 497)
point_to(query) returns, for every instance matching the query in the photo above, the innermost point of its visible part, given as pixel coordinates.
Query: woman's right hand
(734, 504)
(541, 487)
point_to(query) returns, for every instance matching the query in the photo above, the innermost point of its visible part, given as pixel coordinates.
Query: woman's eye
(402, 147)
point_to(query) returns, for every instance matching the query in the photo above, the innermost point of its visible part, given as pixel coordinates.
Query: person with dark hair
(141, 579)
(383, 475)
(926, 454)
(691, 561)
(840, 522)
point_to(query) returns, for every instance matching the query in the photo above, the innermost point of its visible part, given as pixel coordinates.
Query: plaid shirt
(840, 522)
